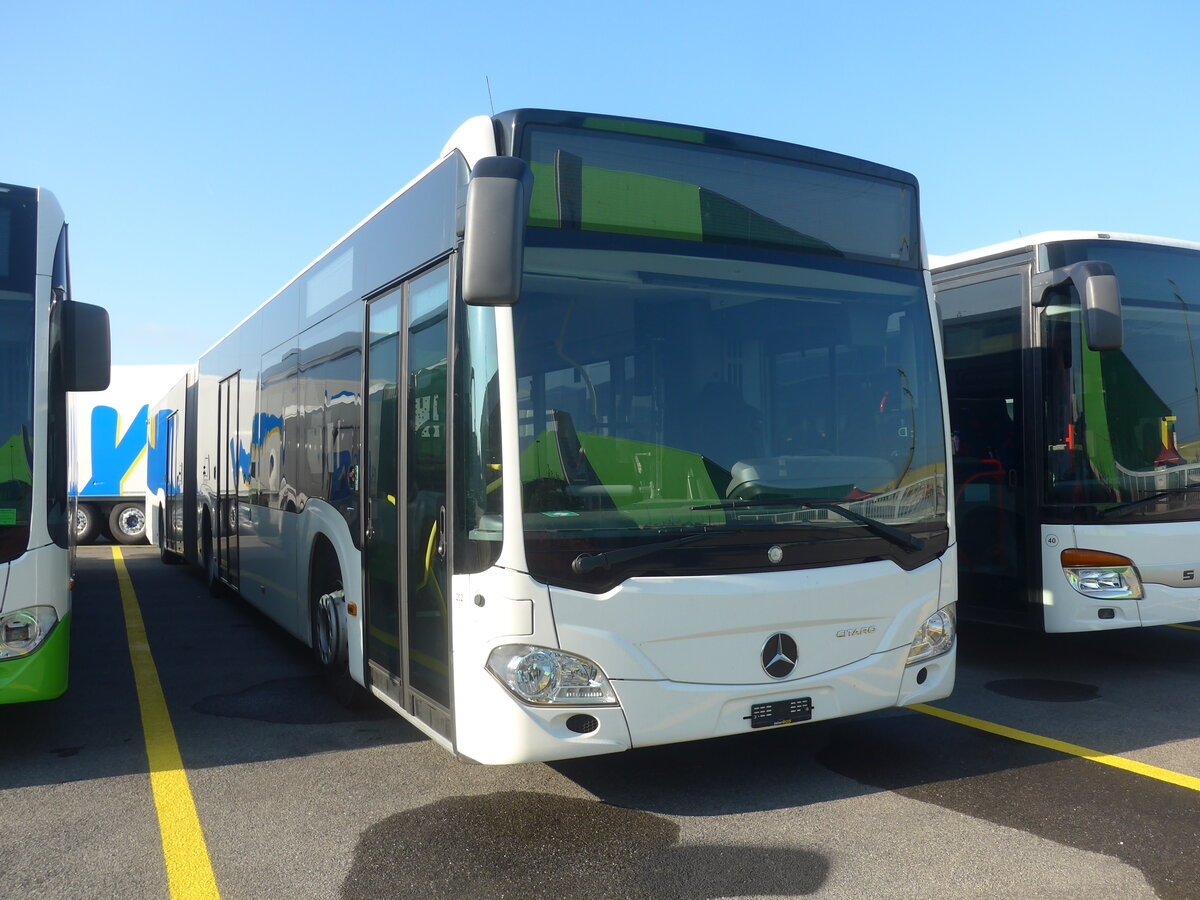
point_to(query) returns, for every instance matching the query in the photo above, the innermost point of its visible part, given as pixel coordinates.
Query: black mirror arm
(1100, 296)
(1045, 283)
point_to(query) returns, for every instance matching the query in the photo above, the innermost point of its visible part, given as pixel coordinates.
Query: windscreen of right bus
(1123, 426)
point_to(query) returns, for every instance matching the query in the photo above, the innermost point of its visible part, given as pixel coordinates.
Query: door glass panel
(228, 479)
(170, 483)
(982, 327)
(427, 613)
(383, 484)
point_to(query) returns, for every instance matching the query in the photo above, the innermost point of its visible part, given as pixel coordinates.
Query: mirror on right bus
(1100, 295)
(1102, 312)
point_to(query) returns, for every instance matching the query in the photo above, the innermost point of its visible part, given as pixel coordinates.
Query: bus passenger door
(983, 326)
(228, 482)
(408, 629)
(171, 488)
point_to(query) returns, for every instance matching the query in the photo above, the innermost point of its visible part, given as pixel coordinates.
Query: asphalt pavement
(298, 797)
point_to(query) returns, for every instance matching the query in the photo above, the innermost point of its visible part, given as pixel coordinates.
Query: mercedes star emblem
(779, 655)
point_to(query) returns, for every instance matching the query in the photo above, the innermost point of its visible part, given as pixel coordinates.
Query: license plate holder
(781, 712)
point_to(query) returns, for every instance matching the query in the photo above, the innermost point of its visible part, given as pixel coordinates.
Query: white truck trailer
(109, 453)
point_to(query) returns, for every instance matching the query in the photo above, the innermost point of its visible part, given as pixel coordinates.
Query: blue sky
(206, 152)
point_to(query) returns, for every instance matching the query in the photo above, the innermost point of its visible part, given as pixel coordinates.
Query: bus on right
(1074, 394)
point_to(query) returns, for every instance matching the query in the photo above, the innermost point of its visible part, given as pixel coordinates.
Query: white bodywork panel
(1162, 553)
(684, 654)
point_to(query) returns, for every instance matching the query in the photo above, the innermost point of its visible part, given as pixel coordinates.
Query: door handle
(441, 527)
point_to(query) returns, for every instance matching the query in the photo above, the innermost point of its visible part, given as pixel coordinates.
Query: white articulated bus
(49, 345)
(1074, 383)
(601, 433)
(172, 511)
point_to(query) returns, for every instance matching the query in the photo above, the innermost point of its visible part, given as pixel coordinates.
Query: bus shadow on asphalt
(768, 770)
(1070, 801)
(475, 846)
(1111, 654)
(898, 749)
(1132, 688)
(268, 698)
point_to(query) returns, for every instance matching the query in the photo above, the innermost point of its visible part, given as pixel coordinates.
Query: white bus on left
(49, 345)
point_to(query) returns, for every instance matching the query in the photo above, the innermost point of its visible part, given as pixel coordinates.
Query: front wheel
(328, 611)
(127, 522)
(329, 637)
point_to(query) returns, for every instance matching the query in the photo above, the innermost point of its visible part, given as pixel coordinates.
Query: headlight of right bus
(934, 637)
(23, 630)
(1105, 576)
(548, 677)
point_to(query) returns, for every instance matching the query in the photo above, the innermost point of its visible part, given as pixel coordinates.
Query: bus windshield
(653, 388)
(1123, 426)
(668, 182)
(17, 235)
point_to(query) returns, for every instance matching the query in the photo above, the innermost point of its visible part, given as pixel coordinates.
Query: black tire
(87, 523)
(329, 638)
(329, 632)
(127, 523)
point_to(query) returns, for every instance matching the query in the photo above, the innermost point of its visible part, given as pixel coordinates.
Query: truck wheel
(86, 523)
(127, 522)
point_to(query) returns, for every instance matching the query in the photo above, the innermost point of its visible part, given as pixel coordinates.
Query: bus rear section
(1073, 384)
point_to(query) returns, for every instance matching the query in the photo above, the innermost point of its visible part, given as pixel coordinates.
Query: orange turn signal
(1093, 558)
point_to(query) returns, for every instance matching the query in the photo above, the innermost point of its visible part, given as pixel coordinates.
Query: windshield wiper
(583, 563)
(889, 532)
(1157, 495)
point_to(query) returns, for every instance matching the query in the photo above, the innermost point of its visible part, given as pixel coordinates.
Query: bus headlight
(1104, 576)
(23, 630)
(934, 637)
(550, 677)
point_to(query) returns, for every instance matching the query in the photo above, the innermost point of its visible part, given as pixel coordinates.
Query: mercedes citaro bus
(601, 433)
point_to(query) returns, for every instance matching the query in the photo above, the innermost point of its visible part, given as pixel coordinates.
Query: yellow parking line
(1117, 762)
(189, 871)
(1188, 627)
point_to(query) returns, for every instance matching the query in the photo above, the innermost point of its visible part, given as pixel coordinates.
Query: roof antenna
(488, 82)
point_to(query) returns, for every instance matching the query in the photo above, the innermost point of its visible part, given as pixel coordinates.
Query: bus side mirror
(1101, 295)
(1102, 312)
(494, 231)
(85, 346)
